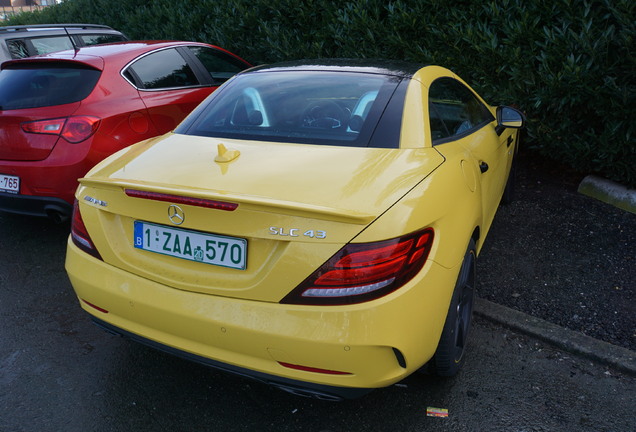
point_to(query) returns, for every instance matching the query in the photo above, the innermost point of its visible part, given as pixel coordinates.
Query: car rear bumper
(54, 208)
(49, 181)
(372, 344)
(318, 391)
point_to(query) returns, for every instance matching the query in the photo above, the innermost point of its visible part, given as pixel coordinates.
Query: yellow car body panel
(287, 192)
(265, 205)
(357, 339)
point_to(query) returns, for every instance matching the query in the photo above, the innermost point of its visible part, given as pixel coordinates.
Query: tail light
(365, 271)
(73, 129)
(80, 235)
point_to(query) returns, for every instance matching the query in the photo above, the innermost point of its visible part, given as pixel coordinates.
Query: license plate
(9, 183)
(191, 245)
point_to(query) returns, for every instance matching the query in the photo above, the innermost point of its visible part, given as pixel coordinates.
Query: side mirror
(509, 117)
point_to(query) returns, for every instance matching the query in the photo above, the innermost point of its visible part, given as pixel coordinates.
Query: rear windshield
(36, 85)
(332, 108)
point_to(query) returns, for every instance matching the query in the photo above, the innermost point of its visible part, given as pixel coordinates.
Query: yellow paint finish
(281, 186)
(226, 155)
(357, 180)
(256, 335)
(284, 190)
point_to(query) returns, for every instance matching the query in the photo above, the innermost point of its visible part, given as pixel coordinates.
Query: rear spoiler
(258, 203)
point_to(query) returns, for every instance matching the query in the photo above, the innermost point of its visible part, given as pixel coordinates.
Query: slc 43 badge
(296, 232)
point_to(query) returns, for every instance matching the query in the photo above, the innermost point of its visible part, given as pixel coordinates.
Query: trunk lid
(297, 205)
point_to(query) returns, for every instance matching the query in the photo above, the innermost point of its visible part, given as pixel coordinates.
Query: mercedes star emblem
(176, 214)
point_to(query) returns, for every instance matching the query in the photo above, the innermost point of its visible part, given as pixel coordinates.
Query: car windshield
(36, 85)
(322, 107)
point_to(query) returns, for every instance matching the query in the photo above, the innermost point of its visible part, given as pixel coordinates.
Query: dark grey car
(30, 40)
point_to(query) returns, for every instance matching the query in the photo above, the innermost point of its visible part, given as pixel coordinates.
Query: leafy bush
(568, 64)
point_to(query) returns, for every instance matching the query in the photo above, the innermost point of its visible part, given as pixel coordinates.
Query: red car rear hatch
(37, 89)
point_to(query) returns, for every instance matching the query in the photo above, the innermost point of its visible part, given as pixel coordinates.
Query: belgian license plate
(191, 245)
(9, 183)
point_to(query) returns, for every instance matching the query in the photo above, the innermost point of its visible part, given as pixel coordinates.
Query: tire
(449, 356)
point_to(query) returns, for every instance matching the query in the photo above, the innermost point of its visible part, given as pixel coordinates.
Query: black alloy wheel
(449, 355)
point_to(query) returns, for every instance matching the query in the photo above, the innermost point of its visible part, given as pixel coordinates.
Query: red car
(61, 113)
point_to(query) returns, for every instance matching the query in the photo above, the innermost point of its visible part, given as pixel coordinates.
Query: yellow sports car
(312, 225)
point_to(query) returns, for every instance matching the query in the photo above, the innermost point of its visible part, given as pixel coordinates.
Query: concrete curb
(573, 342)
(609, 192)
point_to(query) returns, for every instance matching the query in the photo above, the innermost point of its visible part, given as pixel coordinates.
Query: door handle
(510, 139)
(483, 167)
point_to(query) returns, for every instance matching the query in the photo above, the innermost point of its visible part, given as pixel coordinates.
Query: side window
(221, 66)
(44, 45)
(454, 110)
(18, 48)
(96, 39)
(163, 69)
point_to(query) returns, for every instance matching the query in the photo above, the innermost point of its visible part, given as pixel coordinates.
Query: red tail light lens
(52, 126)
(78, 129)
(365, 271)
(72, 129)
(80, 235)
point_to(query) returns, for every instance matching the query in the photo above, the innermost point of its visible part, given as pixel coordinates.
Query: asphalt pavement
(551, 349)
(610, 194)
(562, 256)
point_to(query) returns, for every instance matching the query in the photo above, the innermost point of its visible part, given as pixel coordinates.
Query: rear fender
(444, 201)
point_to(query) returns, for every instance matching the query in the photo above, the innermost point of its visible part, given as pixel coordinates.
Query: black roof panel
(378, 66)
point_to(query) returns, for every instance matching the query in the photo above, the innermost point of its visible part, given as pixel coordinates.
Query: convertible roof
(379, 66)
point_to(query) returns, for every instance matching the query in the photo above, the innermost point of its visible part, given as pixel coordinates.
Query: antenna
(72, 40)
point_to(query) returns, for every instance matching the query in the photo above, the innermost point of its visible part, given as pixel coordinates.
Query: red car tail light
(73, 129)
(52, 126)
(365, 271)
(80, 235)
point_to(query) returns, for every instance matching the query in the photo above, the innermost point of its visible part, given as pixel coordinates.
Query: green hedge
(569, 64)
